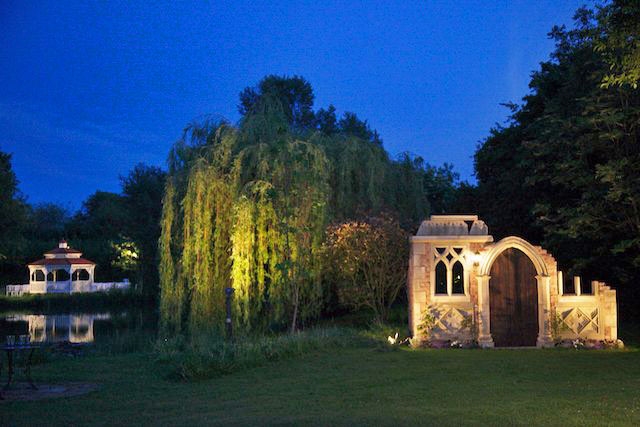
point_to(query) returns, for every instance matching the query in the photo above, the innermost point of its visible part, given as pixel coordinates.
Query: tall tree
(565, 169)
(98, 229)
(47, 223)
(294, 94)
(350, 124)
(13, 220)
(143, 189)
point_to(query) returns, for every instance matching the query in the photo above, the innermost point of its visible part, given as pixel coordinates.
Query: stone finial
(479, 228)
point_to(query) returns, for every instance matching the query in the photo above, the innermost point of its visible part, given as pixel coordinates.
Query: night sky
(89, 89)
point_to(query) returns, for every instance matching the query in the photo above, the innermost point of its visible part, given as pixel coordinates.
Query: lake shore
(74, 302)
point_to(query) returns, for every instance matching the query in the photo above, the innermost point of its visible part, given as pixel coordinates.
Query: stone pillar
(560, 283)
(484, 318)
(417, 285)
(609, 313)
(577, 285)
(544, 312)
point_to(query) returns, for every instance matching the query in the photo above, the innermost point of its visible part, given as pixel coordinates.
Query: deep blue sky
(89, 89)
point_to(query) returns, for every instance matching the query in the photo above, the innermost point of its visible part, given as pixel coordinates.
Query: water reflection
(50, 328)
(77, 327)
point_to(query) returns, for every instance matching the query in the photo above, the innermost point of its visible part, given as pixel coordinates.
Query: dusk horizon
(91, 90)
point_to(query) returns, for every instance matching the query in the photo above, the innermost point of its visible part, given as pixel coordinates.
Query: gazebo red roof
(69, 256)
(63, 251)
(62, 261)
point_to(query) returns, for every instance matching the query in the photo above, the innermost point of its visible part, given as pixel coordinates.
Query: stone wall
(588, 317)
(452, 317)
(418, 284)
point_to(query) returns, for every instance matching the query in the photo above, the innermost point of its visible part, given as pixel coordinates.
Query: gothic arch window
(441, 278)
(457, 280)
(449, 277)
(37, 276)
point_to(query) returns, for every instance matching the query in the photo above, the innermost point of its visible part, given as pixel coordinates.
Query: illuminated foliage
(279, 225)
(620, 43)
(127, 257)
(205, 252)
(369, 259)
(248, 207)
(171, 292)
(253, 220)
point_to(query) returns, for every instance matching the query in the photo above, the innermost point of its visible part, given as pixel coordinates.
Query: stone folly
(464, 287)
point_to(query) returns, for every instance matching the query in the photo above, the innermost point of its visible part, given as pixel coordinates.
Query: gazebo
(61, 270)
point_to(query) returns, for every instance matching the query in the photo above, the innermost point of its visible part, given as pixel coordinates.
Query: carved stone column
(484, 319)
(544, 312)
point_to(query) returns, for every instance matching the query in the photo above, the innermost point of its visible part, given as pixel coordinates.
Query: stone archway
(513, 300)
(542, 285)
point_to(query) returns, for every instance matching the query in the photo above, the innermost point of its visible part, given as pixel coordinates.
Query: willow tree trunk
(296, 303)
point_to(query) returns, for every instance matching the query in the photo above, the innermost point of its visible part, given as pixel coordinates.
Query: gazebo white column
(46, 277)
(71, 271)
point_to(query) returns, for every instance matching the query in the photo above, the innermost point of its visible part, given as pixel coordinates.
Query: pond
(77, 327)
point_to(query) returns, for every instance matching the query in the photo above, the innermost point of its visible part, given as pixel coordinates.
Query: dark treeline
(117, 231)
(564, 172)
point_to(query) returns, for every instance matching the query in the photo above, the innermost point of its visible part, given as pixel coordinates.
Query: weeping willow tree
(278, 231)
(249, 206)
(252, 214)
(207, 208)
(360, 177)
(257, 248)
(171, 295)
(195, 244)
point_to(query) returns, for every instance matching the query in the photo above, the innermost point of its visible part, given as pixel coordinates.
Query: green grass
(211, 356)
(347, 386)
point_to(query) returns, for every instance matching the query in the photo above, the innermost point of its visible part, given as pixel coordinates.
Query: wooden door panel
(513, 300)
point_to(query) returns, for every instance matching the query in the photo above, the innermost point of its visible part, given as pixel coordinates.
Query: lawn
(352, 386)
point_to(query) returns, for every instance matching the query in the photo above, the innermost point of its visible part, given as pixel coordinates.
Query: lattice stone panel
(581, 321)
(449, 320)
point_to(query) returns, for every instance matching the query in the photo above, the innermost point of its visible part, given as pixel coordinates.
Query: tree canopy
(13, 216)
(142, 192)
(248, 206)
(565, 170)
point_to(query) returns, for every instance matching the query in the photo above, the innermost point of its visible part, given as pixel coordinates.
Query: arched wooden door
(513, 300)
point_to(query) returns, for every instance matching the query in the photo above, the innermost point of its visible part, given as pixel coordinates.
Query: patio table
(20, 347)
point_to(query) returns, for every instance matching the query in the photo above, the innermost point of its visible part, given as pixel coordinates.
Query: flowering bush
(369, 260)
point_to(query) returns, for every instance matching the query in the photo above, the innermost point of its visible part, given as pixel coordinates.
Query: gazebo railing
(62, 286)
